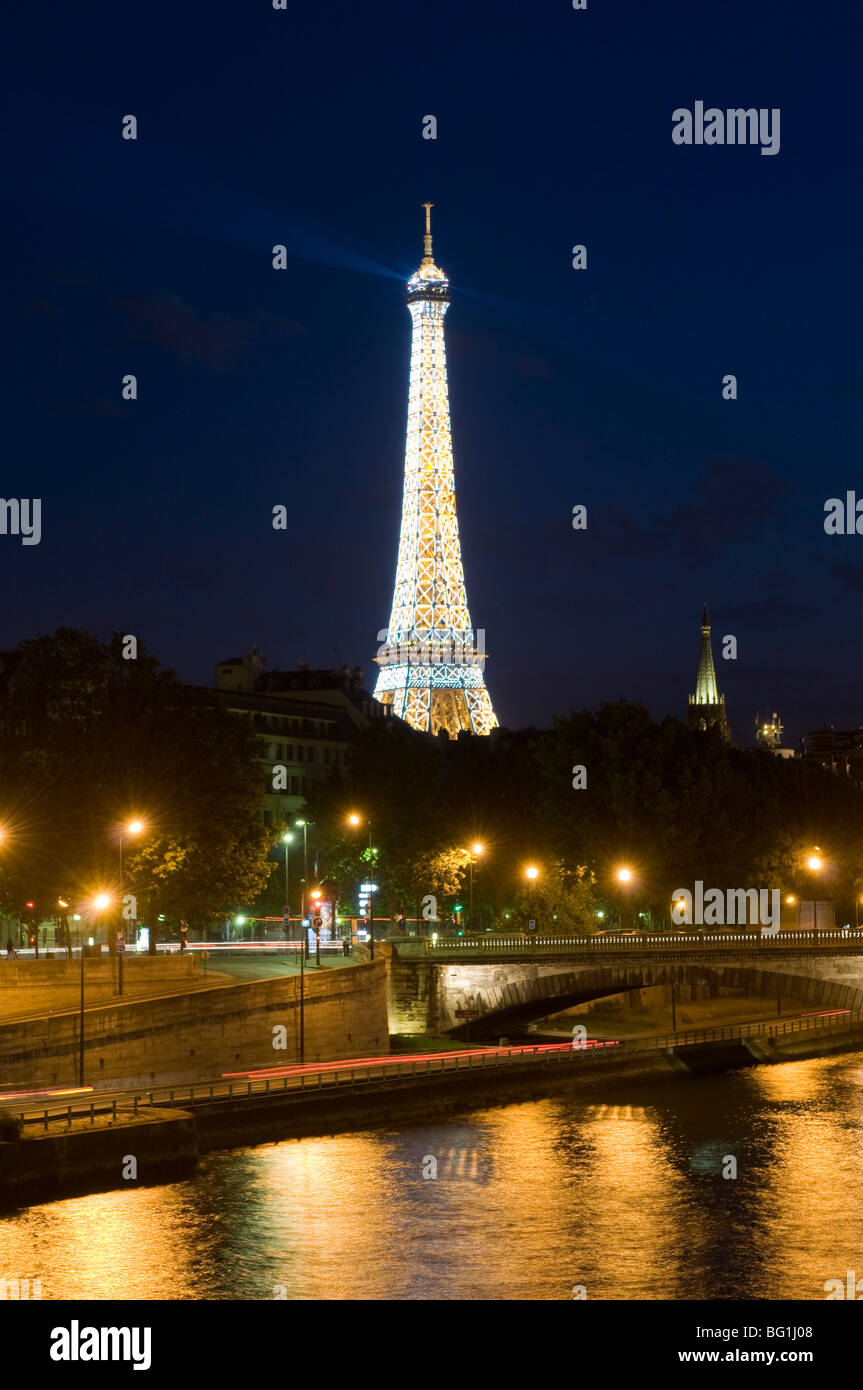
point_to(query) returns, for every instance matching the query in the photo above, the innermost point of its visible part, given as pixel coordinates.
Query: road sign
(532, 924)
(467, 1013)
(205, 955)
(120, 943)
(318, 922)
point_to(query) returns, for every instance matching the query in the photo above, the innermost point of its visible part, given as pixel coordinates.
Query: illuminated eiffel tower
(431, 669)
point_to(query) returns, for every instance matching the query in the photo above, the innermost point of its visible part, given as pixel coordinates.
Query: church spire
(707, 706)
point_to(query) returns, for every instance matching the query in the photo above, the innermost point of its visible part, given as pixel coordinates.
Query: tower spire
(707, 706)
(427, 239)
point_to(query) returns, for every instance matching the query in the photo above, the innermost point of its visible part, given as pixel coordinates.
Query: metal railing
(649, 941)
(335, 1076)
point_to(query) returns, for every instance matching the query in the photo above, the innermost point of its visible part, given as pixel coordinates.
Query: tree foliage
(673, 804)
(90, 739)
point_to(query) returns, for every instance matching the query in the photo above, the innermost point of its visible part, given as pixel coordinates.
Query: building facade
(306, 722)
(840, 750)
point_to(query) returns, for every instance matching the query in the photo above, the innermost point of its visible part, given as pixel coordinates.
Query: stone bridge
(429, 993)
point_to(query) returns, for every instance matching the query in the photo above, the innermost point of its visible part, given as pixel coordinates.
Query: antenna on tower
(427, 239)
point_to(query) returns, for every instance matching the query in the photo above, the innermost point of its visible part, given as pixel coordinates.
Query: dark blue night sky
(601, 387)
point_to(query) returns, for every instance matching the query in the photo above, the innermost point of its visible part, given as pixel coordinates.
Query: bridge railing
(344, 1076)
(529, 941)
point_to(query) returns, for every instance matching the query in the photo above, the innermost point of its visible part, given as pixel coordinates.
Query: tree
(89, 738)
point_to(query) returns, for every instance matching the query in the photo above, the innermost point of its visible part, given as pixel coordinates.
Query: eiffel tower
(431, 669)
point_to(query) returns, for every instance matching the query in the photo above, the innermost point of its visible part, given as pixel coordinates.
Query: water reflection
(624, 1196)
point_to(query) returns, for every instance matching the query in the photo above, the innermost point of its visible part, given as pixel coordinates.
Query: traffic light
(30, 906)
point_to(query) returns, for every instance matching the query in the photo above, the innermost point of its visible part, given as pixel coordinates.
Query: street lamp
(354, 819)
(624, 876)
(531, 873)
(304, 826)
(476, 851)
(131, 828)
(287, 839)
(814, 864)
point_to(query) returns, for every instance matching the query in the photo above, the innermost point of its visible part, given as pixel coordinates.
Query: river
(622, 1195)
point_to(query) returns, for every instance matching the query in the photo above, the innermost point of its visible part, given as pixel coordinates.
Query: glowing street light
(531, 873)
(815, 863)
(287, 839)
(355, 820)
(476, 850)
(101, 901)
(624, 877)
(130, 828)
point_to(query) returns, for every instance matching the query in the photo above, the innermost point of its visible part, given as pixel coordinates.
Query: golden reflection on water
(817, 1168)
(624, 1196)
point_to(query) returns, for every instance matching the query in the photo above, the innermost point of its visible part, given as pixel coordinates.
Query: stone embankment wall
(196, 1036)
(28, 986)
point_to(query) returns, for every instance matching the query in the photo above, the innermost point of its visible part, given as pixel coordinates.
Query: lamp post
(476, 851)
(130, 828)
(531, 873)
(624, 876)
(286, 839)
(357, 820)
(814, 865)
(305, 829)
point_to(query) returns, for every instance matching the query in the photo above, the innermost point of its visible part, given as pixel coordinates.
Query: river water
(622, 1194)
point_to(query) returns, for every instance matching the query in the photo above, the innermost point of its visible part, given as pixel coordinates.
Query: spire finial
(427, 239)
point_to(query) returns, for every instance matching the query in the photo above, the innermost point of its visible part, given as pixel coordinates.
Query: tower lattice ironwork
(431, 666)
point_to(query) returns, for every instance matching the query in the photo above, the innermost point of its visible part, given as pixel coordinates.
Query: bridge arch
(500, 999)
